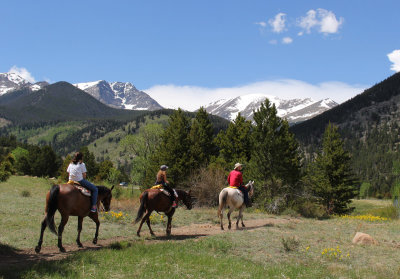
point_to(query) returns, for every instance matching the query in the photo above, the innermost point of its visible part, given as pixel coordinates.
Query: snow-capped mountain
(119, 95)
(12, 81)
(294, 110)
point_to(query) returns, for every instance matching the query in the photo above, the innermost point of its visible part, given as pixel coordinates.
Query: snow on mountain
(119, 95)
(12, 81)
(294, 110)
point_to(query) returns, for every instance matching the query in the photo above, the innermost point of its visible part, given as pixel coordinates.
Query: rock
(363, 238)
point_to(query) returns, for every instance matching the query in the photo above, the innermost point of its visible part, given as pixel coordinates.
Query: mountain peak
(12, 81)
(119, 95)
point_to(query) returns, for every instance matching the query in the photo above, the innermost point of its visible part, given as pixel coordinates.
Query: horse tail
(51, 207)
(141, 208)
(222, 201)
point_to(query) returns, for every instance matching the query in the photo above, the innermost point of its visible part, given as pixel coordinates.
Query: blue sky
(188, 53)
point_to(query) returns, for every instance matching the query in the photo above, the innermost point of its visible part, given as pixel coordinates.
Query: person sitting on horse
(162, 179)
(77, 172)
(235, 179)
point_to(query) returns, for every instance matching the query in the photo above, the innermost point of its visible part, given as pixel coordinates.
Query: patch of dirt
(193, 231)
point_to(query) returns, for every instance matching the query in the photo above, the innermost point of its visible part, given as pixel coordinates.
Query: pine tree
(174, 150)
(201, 139)
(235, 143)
(330, 177)
(275, 160)
(90, 162)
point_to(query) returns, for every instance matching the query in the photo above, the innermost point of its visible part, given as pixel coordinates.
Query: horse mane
(103, 189)
(181, 191)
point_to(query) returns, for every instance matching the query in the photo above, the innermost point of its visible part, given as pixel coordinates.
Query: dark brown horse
(71, 202)
(154, 199)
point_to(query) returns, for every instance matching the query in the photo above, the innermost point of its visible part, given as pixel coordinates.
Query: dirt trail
(51, 253)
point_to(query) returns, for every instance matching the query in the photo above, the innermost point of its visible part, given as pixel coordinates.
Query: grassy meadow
(295, 248)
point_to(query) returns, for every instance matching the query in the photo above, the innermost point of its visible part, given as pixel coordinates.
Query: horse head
(106, 196)
(187, 199)
(250, 187)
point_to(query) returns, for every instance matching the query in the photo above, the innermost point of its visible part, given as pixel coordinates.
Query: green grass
(256, 253)
(207, 258)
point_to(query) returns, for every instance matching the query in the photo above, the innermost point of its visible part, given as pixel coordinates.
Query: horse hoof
(95, 241)
(138, 234)
(37, 249)
(80, 245)
(62, 250)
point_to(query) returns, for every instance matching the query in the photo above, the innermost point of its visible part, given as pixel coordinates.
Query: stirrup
(174, 204)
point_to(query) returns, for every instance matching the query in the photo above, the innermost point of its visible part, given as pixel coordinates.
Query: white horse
(233, 198)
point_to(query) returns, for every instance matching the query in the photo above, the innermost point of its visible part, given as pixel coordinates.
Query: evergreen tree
(201, 139)
(330, 177)
(235, 143)
(90, 162)
(174, 150)
(275, 161)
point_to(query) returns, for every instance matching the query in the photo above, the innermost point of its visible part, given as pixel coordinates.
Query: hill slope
(57, 102)
(370, 126)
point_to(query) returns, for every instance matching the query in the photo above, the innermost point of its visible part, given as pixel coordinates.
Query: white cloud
(261, 23)
(394, 57)
(193, 97)
(22, 72)
(308, 22)
(278, 23)
(287, 40)
(323, 20)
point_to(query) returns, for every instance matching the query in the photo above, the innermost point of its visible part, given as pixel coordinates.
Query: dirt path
(51, 253)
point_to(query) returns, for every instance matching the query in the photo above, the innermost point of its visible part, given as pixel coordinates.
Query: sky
(189, 53)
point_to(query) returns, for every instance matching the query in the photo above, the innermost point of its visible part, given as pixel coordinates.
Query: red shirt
(235, 178)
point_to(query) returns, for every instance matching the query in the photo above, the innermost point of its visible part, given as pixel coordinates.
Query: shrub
(290, 243)
(311, 209)
(206, 185)
(25, 193)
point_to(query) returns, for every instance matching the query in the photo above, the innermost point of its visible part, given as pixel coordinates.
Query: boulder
(363, 238)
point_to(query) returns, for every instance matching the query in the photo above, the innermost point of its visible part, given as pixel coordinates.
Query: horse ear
(190, 192)
(112, 188)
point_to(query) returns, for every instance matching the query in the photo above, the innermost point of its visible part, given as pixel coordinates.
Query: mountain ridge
(294, 110)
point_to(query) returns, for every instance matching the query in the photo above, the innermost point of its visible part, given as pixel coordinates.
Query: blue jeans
(91, 188)
(245, 194)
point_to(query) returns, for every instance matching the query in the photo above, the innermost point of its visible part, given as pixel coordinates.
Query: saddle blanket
(82, 189)
(237, 190)
(165, 192)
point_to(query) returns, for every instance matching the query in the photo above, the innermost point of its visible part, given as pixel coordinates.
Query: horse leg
(240, 217)
(95, 218)
(221, 216)
(78, 239)
(64, 220)
(229, 218)
(43, 227)
(149, 225)
(142, 221)
(169, 225)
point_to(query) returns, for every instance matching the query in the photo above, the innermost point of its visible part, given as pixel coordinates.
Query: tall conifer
(330, 176)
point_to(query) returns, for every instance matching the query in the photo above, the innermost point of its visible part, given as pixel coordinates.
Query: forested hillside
(369, 124)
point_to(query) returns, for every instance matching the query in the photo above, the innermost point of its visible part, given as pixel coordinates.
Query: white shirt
(76, 171)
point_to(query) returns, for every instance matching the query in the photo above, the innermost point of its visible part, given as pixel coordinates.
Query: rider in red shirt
(235, 178)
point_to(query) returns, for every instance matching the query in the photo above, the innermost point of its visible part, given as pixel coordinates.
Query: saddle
(82, 189)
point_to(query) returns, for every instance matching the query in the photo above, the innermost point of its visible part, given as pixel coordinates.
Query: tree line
(267, 149)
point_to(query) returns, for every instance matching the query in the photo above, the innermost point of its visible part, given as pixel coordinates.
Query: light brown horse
(71, 202)
(154, 199)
